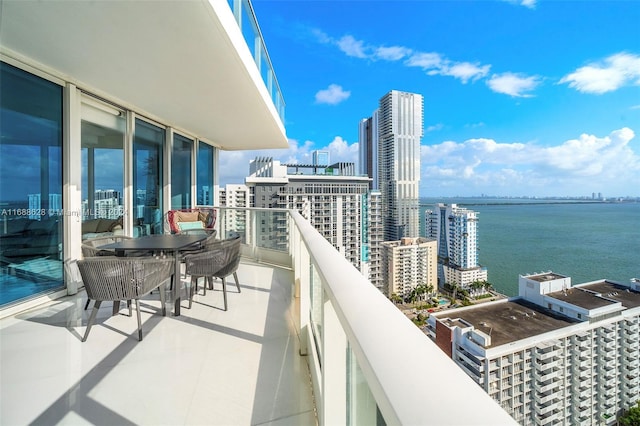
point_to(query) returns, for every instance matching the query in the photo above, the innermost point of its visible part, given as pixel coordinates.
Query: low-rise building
(557, 354)
(408, 263)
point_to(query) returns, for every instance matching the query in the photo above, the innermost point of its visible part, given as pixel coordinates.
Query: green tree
(395, 298)
(631, 417)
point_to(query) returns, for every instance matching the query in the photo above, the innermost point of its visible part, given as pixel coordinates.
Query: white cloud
(635, 107)
(611, 74)
(512, 84)
(434, 128)
(392, 53)
(531, 4)
(435, 64)
(466, 71)
(352, 47)
(332, 95)
(578, 166)
(426, 61)
(321, 36)
(574, 167)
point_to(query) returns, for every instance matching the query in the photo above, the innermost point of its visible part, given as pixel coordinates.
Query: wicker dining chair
(90, 248)
(218, 259)
(123, 278)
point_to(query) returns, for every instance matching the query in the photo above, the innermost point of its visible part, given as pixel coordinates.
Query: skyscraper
(332, 201)
(456, 230)
(368, 153)
(399, 130)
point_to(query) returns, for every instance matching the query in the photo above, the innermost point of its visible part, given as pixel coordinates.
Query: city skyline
(521, 98)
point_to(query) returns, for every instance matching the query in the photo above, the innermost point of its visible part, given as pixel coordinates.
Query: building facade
(400, 129)
(408, 263)
(332, 199)
(556, 355)
(389, 144)
(375, 235)
(234, 219)
(368, 149)
(91, 128)
(456, 230)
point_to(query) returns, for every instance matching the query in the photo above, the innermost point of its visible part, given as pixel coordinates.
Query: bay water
(587, 241)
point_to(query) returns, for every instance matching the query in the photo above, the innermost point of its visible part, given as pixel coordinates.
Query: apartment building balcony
(584, 393)
(547, 407)
(606, 345)
(543, 387)
(548, 418)
(551, 363)
(631, 344)
(295, 347)
(584, 403)
(583, 421)
(543, 398)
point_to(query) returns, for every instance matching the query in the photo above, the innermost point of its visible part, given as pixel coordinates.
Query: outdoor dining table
(164, 243)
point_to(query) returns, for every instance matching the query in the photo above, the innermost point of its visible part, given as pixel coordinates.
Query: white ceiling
(183, 62)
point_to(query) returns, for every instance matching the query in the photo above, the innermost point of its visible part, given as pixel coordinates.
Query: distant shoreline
(500, 202)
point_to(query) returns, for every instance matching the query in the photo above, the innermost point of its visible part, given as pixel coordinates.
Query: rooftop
(509, 321)
(205, 367)
(610, 290)
(547, 276)
(581, 298)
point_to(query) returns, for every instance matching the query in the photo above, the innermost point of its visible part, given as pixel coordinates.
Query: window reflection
(147, 178)
(102, 130)
(205, 175)
(181, 172)
(30, 185)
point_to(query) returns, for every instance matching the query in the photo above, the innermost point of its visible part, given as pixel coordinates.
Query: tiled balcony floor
(206, 367)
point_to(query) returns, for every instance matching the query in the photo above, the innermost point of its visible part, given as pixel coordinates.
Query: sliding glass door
(30, 185)
(102, 134)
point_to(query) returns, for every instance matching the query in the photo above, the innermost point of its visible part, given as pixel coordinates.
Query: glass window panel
(362, 408)
(102, 158)
(181, 172)
(30, 185)
(317, 318)
(204, 172)
(148, 142)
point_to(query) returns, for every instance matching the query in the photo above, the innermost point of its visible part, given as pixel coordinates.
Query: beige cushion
(186, 216)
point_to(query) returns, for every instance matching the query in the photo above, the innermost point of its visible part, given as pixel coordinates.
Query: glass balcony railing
(369, 364)
(246, 19)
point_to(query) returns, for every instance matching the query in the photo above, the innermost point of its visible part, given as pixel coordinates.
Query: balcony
(242, 366)
(232, 84)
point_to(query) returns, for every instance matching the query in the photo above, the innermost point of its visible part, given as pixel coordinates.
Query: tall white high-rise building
(234, 220)
(400, 129)
(393, 134)
(456, 230)
(408, 263)
(556, 355)
(333, 200)
(368, 148)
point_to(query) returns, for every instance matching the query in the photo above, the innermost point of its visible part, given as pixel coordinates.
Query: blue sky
(529, 97)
